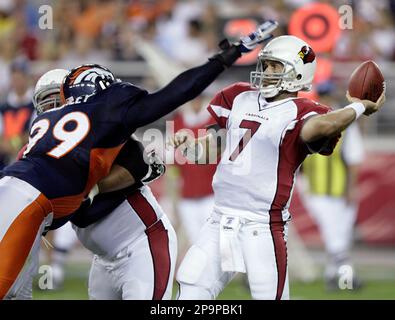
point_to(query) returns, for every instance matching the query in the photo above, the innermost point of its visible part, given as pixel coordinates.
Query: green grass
(316, 291)
(76, 288)
(381, 290)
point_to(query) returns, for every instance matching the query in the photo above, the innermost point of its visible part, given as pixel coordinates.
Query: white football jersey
(256, 174)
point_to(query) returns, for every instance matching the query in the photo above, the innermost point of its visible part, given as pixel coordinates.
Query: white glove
(260, 35)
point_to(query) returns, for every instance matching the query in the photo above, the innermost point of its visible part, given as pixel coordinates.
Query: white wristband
(358, 107)
(94, 192)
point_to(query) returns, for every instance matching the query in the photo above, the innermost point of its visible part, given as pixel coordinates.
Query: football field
(75, 288)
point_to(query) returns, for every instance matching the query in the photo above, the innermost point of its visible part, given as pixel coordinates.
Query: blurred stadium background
(147, 42)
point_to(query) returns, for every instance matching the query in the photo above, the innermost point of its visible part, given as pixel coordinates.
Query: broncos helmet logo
(85, 80)
(90, 75)
(306, 54)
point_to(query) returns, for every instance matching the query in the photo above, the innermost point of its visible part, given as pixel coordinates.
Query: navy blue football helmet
(84, 80)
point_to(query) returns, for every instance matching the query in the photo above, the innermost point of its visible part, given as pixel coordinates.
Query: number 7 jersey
(72, 147)
(263, 152)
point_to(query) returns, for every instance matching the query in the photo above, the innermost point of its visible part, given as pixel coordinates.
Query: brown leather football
(366, 82)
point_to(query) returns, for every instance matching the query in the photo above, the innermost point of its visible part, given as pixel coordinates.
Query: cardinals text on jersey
(255, 176)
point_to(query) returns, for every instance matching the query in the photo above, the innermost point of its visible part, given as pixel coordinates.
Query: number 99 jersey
(72, 147)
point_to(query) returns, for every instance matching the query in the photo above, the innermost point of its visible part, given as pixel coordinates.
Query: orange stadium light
(324, 70)
(317, 24)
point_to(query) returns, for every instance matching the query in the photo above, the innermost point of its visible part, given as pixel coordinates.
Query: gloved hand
(156, 168)
(260, 35)
(231, 52)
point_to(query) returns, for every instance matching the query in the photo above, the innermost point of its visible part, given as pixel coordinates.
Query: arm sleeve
(85, 215)
(131, 157)
(183, 88)
(102, 205)
(307, 109)
(59, 222)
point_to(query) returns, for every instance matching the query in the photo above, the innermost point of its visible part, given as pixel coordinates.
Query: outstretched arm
(192, 82)
(183, 88)
(333, 123)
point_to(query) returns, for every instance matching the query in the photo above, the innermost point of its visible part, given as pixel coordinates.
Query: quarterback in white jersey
(269, 132)
(257, 168)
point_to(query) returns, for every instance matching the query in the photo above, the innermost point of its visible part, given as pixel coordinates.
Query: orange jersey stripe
(101, 160)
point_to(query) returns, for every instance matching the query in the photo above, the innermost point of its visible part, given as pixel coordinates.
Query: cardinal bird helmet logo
(306, 54)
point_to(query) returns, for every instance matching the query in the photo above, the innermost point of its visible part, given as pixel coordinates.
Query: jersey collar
(263, 104)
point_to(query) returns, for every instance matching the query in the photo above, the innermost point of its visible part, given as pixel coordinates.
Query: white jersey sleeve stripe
(220, 111)
(219, 114)
(309, 115)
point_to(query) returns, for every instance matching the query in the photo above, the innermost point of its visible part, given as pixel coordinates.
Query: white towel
(230, 247)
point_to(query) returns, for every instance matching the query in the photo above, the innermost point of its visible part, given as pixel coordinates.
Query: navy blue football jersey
(131, 158)
(72, 147)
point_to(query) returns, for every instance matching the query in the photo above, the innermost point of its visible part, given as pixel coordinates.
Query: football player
(136, 225)
(133, 241)
(74, 146)
(269, 132)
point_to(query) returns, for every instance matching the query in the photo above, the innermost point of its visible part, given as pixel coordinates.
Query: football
(366, 82)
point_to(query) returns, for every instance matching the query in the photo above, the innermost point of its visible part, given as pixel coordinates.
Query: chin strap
(46, 242)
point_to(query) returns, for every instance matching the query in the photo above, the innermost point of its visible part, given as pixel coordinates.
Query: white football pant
(263, 249)
(335, 219)
(135, 249)
(144, 270)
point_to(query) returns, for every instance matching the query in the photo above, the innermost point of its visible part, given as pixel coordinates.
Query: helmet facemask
(271, 84)
(46, 94)
(47, 98)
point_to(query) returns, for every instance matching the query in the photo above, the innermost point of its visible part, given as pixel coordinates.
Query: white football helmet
(299, 64)
(47, 90)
